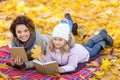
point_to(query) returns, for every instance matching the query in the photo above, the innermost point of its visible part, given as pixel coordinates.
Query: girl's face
(58, 42)
(22, 32)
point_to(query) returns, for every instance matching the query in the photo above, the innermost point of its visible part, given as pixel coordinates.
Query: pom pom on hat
(61, 30)
(64, 21)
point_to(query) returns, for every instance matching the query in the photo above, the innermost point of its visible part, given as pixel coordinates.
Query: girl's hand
(60, 69)
(18, 61)
(42, 58)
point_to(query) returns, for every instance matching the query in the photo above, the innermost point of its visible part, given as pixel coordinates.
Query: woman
(25, 35)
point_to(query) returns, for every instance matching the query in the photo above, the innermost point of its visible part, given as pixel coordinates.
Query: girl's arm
(47, 57)
(72, 63)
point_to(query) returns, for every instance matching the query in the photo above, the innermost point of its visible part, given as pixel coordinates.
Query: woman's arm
(42, 40)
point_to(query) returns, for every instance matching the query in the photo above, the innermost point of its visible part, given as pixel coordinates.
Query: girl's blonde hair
(65, 48)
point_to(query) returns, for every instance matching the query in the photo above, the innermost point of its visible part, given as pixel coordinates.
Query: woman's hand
(60, 69)
(42, 58)
(12, 63)
(18, 61)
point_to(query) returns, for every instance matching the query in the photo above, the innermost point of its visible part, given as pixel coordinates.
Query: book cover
(18, 51)
(48, 68)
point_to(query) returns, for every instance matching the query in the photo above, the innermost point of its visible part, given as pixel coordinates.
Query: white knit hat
(61, 30)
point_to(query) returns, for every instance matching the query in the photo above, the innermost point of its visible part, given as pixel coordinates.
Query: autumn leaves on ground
(90, 15)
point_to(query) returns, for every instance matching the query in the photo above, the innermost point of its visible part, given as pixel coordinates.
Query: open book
(18, 51)
(48, 68)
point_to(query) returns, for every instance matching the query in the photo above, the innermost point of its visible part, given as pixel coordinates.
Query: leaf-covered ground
(90, 15)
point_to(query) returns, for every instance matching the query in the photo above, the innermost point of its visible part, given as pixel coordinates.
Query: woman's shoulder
(43, 36)
(37, 32)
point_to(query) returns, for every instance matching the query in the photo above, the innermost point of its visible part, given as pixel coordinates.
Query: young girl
(25, 35)
(67, 53)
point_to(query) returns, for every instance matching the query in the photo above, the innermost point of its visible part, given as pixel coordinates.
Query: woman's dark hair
(22, 20)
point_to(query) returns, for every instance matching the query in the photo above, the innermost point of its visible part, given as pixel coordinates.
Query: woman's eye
(19, 32)
(26, 30)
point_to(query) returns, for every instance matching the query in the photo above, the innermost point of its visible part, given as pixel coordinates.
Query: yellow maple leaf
(105, 64)
(99, 73)
(55, 75)
(92, 78)
(118, 61)
(4, 66)
(16, 77)
(62, 79)
(20, 8)
(36, 51)
(3, 77)
(82, 77)
(93, 63)
(115, 3)
(114, 77)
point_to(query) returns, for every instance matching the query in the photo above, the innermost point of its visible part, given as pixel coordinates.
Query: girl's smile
(58, 42)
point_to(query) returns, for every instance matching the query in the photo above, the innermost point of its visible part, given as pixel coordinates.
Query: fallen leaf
(36, 51)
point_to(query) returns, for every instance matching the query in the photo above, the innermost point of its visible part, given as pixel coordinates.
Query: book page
(9, 44)
(48, 68)
(43, 63)
(51, 68)
(40, 68)
(38, 61)
(50, 62)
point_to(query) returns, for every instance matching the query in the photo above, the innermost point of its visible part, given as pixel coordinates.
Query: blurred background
(90, 15)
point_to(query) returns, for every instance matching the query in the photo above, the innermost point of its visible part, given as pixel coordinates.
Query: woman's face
(22, 32)
(58, 42)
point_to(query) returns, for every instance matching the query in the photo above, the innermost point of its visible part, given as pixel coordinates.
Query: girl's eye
(54, 39)
(60, 39)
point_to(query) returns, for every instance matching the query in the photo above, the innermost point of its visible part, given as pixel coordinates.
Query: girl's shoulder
(77, 46)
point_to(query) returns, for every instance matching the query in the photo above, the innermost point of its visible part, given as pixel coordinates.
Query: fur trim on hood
(71, 40)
